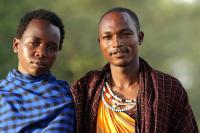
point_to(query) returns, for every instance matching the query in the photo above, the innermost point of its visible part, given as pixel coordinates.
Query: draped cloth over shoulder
(35, 104)
(162, 103)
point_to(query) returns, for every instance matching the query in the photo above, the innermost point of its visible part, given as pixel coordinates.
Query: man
(127, 95)
(31, 99)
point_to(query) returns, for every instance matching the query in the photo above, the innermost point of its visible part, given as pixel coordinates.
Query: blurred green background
(171, 43)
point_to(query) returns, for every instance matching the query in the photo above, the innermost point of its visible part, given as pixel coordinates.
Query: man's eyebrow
(106, 32)
(53, 43)
(37, 38)
(126, 29)
(34, 38)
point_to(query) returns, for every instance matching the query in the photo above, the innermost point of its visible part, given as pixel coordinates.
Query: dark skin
(38, 47)
(119, 42)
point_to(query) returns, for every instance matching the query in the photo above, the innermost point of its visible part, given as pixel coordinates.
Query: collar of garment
(27, 78)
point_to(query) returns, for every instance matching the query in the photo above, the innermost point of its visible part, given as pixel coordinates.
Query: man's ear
(141, 37)
(15, 45)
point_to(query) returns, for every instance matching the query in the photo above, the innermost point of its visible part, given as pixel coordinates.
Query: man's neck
(125, 76)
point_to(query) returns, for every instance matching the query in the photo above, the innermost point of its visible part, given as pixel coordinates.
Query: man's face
(38, 47)
(119, 39)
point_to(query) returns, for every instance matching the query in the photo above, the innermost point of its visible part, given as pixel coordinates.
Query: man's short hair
(122, 9)
(42, 14)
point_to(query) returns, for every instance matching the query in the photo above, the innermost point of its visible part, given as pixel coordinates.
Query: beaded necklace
(114, 99)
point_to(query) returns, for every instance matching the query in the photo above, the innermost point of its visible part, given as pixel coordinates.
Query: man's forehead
(41, 26)
(113, 19)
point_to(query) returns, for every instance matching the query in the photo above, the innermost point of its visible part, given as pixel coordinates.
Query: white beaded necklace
(133, 104)
(116, 97)
(114, 100)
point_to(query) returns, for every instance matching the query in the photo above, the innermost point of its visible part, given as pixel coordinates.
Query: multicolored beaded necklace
(114, 102)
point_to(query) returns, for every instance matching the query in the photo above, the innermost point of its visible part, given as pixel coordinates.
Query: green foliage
(171, 42)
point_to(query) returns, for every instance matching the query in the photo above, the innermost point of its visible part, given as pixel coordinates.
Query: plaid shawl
(162, 102)
(35, 104)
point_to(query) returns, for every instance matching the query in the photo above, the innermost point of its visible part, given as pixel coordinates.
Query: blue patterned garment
(39, 104)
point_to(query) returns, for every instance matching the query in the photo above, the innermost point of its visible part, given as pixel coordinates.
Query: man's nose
(116, 41)
(41, 51)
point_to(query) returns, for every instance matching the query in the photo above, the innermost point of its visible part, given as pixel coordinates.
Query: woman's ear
(15, 45)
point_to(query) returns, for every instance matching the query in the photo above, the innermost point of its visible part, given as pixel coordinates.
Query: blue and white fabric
(35, 104)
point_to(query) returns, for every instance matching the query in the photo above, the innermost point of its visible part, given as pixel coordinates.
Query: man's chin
(38, 72)
(120, 64)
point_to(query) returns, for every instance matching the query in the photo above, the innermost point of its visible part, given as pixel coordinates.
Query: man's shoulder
(3, 83)
(92, 75)
(91, 78)
(158, 75)
(164, 76)
(61, 82)
(166, 79)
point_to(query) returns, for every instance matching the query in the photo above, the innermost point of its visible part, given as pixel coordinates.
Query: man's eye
(33, 44)
(107, 37)
(52, 48)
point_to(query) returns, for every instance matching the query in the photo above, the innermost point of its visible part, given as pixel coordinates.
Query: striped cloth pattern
(39, 104)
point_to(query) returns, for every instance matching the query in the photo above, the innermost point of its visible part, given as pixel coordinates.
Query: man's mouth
(38, 63)
(119, 51)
